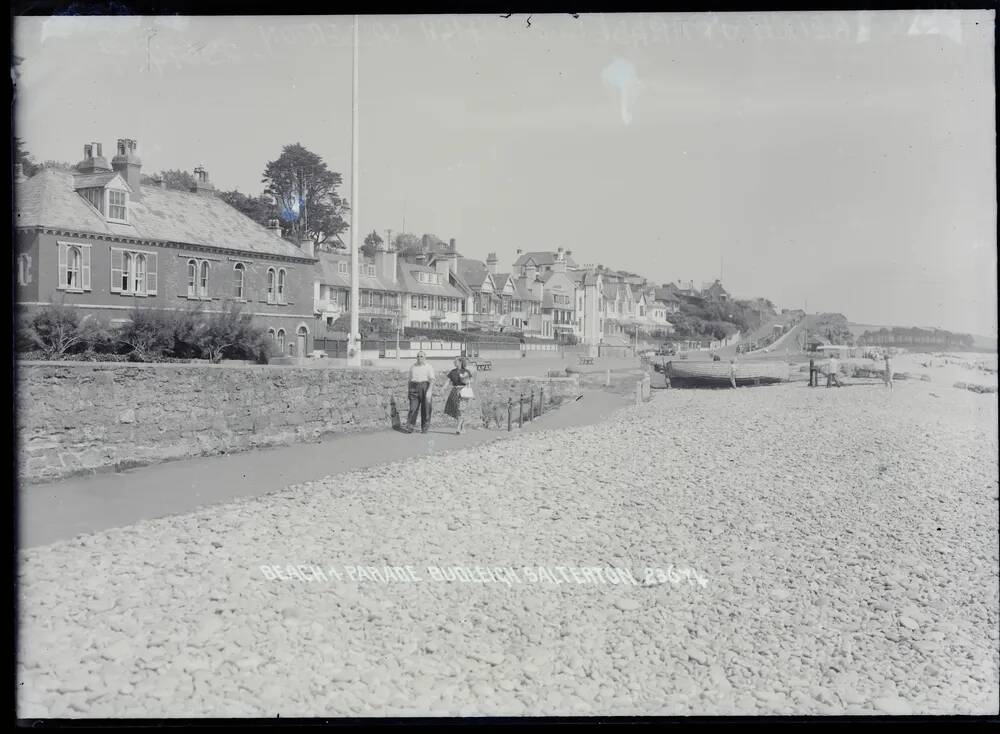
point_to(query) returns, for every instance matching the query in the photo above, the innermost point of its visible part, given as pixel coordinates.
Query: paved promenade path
(61, 510)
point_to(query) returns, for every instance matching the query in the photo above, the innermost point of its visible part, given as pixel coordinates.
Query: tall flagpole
(353, 347)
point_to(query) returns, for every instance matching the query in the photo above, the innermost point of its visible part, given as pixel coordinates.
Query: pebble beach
(775, 550)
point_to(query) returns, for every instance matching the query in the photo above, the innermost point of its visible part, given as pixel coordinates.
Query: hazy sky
(844, 161)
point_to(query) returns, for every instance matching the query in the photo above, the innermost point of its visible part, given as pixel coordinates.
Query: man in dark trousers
(420, 393)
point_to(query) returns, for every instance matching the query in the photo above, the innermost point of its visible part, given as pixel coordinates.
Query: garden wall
(81, 417)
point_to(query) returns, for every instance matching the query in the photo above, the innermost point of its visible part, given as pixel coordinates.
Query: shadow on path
(61, 510)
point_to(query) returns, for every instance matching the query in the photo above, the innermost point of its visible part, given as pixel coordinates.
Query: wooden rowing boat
(717, 373)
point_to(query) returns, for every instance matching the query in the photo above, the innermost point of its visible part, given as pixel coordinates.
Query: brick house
(101, 241)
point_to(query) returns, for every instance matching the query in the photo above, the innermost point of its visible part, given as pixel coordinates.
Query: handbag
(466, 393)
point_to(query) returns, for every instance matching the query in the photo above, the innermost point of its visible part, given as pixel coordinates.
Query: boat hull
(717, 373)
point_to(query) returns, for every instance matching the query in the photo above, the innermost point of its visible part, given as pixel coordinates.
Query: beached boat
(717, 373)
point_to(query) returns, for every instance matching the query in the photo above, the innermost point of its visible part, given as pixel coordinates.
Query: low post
(531, 406)
(541, 400)
(812, 373)
(520, 411)
(510, 410)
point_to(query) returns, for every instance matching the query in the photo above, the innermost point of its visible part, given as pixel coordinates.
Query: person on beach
(831, 375)
(461, 392)
(420, 392)
(732, 372)
(524, 348)
(888, 370)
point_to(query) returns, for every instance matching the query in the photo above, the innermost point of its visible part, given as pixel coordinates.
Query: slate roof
(667, 295)
(93, 180)
(49, 199)
(472, 272)
(542, 258)
(583, 277)
(500, 280)
(523, 293)
(408, 282)
(328, 272)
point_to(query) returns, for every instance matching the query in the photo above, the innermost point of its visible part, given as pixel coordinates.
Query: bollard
(510, 410)
(520, 412)
(541, 400)
(812, 373)
(531, 406)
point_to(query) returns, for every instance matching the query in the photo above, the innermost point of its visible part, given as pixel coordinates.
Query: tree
(59, 165)
(23, 157)
(305, 192)
(177, 180)
(407, 244)
(372, 244)
(261, 209)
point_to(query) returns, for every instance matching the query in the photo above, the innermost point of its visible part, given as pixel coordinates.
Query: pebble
(870, 560)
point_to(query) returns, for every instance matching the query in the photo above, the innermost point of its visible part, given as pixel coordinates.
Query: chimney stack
(425, 243)
(519, 250)
(274, 226)
(93, 161)
(491, 263)
(159, 182)
(201, 183)
(451, 244)
(307, 246)
(127, 163)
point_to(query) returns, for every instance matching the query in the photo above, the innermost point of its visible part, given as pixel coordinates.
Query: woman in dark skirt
(461, 393)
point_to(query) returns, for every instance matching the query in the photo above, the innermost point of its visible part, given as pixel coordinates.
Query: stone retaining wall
(80, 417)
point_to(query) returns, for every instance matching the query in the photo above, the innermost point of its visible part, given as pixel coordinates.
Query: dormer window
(117, 205)
(107, 192)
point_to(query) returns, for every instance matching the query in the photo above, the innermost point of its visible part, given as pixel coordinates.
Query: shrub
(184, 327)
(148, 334)
(229, 333)
(58, 329)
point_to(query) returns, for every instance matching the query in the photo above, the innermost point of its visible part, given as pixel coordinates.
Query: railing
(327, 306)
(387, 347)
(379, 311)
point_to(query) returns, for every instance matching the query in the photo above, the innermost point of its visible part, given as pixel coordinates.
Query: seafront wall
(81, 417)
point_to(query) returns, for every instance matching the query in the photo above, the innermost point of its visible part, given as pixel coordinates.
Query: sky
(834, 161)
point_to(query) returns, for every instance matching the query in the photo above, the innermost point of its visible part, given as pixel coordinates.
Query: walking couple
(421, 393)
